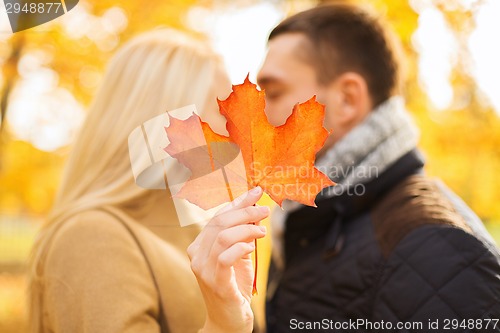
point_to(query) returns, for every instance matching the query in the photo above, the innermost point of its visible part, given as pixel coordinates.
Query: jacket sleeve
(441, 274)
(97, 280)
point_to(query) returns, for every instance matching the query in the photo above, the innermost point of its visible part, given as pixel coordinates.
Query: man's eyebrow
(266, 80)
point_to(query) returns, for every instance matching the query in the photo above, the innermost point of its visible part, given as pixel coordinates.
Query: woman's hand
(221, 260)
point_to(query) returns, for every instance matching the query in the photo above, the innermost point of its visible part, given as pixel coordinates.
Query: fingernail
(256, 190)
(264, 209)
(262, 228)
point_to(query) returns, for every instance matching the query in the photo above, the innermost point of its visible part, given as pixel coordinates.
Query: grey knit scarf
(384, 136)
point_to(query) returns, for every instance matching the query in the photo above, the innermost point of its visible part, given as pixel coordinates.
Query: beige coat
(100, 277)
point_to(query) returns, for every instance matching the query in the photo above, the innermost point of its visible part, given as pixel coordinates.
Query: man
(387, 248)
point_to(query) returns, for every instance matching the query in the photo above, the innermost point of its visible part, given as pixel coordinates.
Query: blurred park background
(49, 74)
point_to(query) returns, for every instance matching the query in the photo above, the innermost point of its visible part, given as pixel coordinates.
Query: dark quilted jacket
(406, 252)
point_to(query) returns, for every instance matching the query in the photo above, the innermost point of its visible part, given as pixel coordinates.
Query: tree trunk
(10, 75)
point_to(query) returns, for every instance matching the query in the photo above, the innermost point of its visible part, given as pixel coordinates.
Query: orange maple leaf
(278, 159)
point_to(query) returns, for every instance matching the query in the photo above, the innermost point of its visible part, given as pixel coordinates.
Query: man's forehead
(286, 52)
(287, 41)
(293, 45)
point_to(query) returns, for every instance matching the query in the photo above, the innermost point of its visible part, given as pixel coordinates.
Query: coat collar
(351, 203)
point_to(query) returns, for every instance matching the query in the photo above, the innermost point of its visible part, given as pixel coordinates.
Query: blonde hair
(157, 71)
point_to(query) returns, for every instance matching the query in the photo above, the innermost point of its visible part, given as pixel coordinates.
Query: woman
(111, 257)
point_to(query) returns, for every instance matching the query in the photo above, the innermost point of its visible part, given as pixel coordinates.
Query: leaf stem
(254, 290)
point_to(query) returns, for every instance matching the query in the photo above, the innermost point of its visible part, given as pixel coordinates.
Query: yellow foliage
(462, 145)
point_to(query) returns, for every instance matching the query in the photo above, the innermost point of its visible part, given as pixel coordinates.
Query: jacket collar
(351, 203)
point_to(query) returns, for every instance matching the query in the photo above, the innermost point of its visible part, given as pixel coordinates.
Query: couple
(405, 250)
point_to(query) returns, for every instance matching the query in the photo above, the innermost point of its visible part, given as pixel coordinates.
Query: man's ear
(349, 98)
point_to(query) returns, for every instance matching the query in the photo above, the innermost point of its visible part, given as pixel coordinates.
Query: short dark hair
(344, 38)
